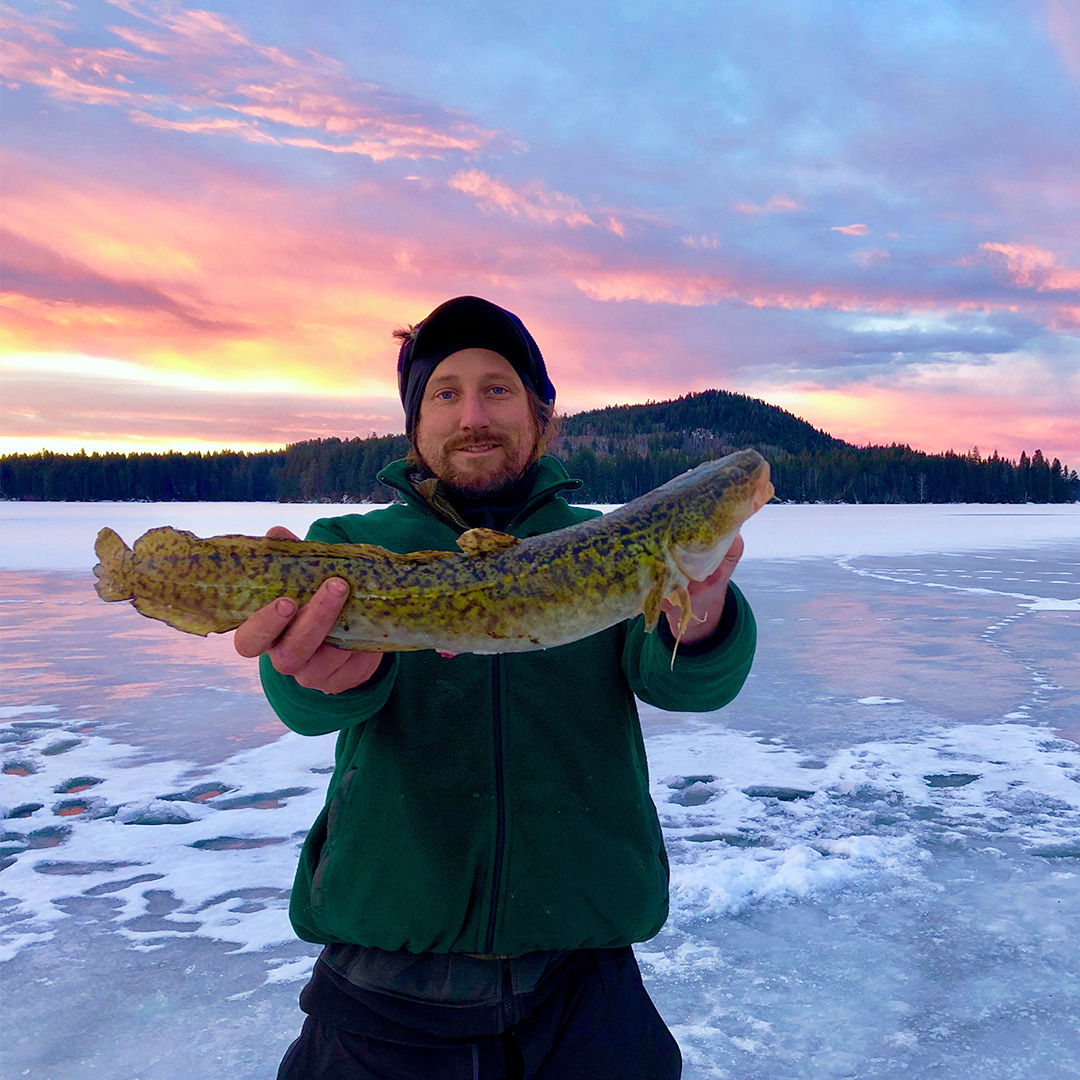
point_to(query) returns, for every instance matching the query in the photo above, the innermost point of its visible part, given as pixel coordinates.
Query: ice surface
(875, 849)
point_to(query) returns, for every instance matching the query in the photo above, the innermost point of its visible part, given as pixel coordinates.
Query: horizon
(983, 454)
(215, 217)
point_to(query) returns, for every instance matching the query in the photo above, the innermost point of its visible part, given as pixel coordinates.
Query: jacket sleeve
(699, 680)
(311, 712)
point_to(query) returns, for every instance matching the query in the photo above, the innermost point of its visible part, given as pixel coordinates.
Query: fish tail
(114, 571)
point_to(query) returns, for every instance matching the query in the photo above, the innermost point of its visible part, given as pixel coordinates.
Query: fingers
(357, 669)
(279, 532)
(256, 634)
(333, 670)
(290, 644)
(735, 552)
(321, 668)
(307, 632)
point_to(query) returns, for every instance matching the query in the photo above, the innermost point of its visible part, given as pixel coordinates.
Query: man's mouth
(478, 448)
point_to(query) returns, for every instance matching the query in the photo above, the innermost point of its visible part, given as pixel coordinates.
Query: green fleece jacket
(494, 804)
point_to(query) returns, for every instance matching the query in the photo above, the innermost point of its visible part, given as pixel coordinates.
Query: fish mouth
(763, 489)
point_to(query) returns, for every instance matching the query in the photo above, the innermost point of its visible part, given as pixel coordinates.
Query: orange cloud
(234, 286)
(101, 408)
(933, 421)
(850, 230)
(533, 201)
(194, 71)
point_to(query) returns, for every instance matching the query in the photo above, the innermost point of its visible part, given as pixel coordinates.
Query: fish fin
(680, 597)
(422, 556)
(652, 604)
(346, 551)
(114, 568)
(485, 541)
(167, 542)
(190, 622)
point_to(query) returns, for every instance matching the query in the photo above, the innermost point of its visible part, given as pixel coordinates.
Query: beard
(462, 481)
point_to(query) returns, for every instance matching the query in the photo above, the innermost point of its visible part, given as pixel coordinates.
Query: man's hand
(295, 637)
(706, 599)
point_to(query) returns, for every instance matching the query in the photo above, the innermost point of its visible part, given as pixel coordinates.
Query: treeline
(323, 470)
(220, 476)
(344, 471)
(336, 470)
(895, 474)
(874, 474)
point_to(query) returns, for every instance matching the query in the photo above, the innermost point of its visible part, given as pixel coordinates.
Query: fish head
(713, 502)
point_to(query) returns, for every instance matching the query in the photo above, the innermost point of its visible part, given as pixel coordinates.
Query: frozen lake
(875, 849)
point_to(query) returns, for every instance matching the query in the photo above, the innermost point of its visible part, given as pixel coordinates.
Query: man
(488, 851)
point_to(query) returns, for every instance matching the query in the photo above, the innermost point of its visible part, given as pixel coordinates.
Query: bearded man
(488, 851)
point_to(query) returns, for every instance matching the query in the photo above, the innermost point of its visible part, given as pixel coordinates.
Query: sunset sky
(866, 212)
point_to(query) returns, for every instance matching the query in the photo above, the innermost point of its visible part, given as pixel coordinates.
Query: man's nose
(473, 413)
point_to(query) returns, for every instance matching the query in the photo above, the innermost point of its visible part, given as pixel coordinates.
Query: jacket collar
(551, 478)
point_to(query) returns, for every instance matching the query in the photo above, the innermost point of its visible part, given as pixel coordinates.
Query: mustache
(463, 442)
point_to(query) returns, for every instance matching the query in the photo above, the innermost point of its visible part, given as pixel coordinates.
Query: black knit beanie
(467, 322)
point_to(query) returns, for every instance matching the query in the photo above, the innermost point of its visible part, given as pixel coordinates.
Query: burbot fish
(497, 594)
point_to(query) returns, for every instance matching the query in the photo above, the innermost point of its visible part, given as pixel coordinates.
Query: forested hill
(619, 452)
(625, 450)
(712, 415)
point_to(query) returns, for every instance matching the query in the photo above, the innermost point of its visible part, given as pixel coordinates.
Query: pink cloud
(777, 204)
(1034, 267)
(534, 201)
(195, 72)
(704, 241)
(1063, 22)
(660, 284)
(851, 230)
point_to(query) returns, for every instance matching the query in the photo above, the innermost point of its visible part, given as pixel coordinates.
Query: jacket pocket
(330, 821)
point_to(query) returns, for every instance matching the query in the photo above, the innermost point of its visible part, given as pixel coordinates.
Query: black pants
(591, 1019)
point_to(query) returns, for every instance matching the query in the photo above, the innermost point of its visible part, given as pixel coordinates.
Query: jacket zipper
(500, 801)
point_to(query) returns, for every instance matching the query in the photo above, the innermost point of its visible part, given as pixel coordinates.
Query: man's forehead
(485, 365)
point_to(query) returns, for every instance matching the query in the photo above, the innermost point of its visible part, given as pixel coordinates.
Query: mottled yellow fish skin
(500, 594)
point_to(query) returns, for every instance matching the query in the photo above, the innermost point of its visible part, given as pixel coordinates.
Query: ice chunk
(160, 812)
